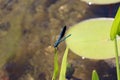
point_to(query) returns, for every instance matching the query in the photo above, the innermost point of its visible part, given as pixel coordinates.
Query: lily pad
(101, 1)
(90, 39)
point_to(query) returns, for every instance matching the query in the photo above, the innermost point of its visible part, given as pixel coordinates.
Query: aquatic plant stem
(64, 65)
(56, 66)
(117, 60)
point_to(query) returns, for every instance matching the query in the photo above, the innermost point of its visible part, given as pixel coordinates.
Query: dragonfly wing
(62, 33)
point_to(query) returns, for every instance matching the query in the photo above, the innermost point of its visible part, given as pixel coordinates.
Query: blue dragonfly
(61, 37)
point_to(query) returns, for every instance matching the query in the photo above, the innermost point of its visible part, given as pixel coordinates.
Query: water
(40, 28)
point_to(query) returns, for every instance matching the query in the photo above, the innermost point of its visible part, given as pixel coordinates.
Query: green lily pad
(101, 1)
(90, 39)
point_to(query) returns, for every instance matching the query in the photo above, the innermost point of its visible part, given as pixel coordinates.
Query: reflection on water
(108, 10)
(40, 27)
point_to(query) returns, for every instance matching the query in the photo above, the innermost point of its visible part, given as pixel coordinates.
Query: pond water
(28, 30)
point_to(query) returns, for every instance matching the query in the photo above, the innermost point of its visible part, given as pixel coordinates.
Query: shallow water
(39, 29)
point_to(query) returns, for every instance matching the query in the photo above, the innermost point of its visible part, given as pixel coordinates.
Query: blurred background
(28, 30)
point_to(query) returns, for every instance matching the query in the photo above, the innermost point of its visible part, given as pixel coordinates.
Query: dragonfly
(61, 37)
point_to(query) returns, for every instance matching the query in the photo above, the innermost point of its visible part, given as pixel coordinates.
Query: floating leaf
(101, 1)
(90, 39)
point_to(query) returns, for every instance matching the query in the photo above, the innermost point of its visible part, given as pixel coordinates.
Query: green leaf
(56, 66)
(95, 75)
(115, 30)
(64, 66)
(91, 39)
